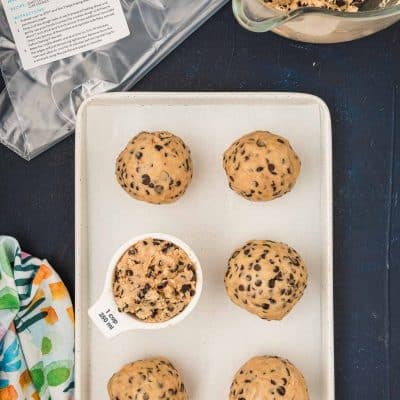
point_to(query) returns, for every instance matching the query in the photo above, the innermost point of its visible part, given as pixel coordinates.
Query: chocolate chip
(145, 179)
(139, 155)
(158, 147)
(281, 390)
(185, 288)
(259, 169)
(166, 247)
(260, 143)
(271, 168)
(257, 267)
(132, 251)
(235, 254)
(265, 306)
(295, 261)
(162, 285)
(271, 283)
(159, 189)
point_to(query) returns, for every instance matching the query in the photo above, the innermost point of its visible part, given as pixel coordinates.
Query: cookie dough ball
(269, 378)
(154, 280)
(155, 167)
(261, 166)
(150, 379)
(266, 278)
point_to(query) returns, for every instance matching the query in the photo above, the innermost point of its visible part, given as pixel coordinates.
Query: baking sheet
(218, 337)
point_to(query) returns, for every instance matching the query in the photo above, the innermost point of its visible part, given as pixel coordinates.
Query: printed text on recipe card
(49, 30)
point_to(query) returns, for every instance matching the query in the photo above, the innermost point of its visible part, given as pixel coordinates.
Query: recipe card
(49, 30)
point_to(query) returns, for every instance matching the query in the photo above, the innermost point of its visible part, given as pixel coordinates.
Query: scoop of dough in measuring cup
(155, 167)
(150, 379)
(261, 166)
(271, 378)
(266, 278)
(154, 280)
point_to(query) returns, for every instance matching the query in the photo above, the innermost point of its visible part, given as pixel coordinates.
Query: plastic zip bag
(38, 107)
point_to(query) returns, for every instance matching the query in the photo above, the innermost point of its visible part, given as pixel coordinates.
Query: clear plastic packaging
(38, 107)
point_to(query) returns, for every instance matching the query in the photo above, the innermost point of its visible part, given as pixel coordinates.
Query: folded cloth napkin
(36, 328)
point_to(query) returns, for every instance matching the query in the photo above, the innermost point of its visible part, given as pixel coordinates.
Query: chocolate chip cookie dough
(155, 167)
(266, 278)
(154, 280)
(270, 378)
(337, 5)
(150, 379)
(261, 166)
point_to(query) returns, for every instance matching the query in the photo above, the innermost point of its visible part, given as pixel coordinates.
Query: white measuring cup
(104, 312)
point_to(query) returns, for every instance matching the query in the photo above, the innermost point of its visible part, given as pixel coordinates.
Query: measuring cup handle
(105, 315)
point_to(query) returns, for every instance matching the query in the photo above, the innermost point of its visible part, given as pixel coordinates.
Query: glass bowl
(316, 25)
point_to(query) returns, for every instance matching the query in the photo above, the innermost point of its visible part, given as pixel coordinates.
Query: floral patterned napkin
(36, 328)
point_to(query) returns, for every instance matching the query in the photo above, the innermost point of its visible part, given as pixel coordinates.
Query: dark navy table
(360, 81)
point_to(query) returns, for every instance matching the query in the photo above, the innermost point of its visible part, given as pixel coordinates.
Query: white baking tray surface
(218, 337)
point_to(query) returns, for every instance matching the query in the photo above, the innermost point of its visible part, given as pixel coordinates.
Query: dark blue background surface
(360, 81)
